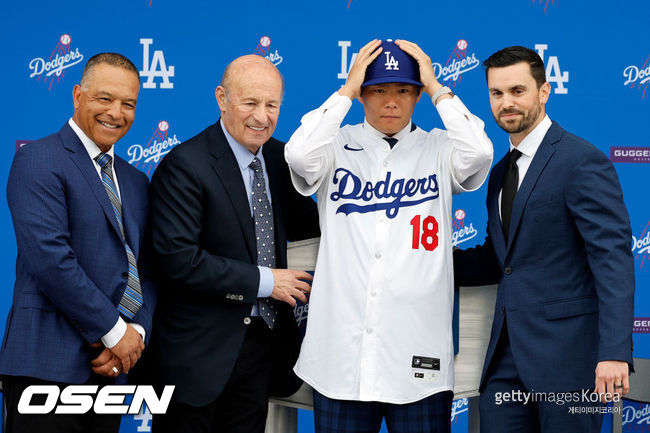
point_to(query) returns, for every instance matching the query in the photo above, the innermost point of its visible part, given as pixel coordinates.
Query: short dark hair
(113, 59)
(517, 54)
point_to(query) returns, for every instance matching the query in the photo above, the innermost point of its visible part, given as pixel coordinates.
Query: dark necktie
(264, 236)
(391, 141)
(510, 185)
(132, 297)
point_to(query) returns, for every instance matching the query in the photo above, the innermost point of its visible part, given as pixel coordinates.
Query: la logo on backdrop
(147, 157)
(155, 67)
(554, 74)
(263, 49)
(638, 76)
(53, 69)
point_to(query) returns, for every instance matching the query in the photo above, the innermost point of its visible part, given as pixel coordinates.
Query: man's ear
(544, 92)
(220, 95)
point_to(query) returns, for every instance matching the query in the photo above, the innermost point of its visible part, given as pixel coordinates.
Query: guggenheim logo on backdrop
(631, 154)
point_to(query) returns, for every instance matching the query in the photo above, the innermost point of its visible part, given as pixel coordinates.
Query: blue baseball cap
(392, 66)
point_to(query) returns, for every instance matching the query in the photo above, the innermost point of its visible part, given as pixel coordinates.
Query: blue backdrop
(597, 55)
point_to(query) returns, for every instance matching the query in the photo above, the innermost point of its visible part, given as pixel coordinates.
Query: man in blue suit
(558, 245)
(83, 300)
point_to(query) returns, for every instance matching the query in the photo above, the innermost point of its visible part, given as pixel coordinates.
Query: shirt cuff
(114, 336)
(266, 282)
(140, 330)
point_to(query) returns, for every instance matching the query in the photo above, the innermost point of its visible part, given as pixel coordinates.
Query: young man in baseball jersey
(379, 335)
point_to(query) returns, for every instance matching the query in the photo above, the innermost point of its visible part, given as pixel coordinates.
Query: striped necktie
(132, 298)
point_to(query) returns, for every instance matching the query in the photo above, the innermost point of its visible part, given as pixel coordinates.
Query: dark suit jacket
(566, 280)
(71, 268)
(204, 241)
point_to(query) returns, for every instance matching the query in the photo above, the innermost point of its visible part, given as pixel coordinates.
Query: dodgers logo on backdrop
(300, 312)
(263, 49)
(147, 158)
(62, 58)
(638, 76)
(634, 154)
(641, 246)
(636, 416)
(461, 231)
(156, 67)
(356, 194)
(457, 407)
(554, 75)
(458, 63)
(545, 3)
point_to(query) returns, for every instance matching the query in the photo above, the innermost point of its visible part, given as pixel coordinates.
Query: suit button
(240, 297)
(247, 320)
(503, 310)
(507, 271)
(125, 275)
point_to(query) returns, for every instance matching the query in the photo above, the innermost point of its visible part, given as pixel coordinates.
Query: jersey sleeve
(469, 151)
(310, 152)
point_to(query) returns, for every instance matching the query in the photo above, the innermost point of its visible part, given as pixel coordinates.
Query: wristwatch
(441, 91)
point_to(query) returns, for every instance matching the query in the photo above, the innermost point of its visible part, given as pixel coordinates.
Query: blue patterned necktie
(264, 236)
(132, 298)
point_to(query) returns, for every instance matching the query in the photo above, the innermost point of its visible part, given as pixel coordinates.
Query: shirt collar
(90, 146)
(531, 142)
(243, 156)
(400, 135)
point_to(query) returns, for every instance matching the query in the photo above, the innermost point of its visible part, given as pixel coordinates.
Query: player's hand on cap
(369, 52)
(287, 285)
(427, 75)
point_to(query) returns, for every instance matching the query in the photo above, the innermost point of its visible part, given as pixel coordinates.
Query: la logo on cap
(391, 63)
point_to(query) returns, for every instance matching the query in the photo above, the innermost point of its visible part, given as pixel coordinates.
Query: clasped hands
(121, 357)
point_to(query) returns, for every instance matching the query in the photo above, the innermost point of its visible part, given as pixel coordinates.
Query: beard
(516, 126)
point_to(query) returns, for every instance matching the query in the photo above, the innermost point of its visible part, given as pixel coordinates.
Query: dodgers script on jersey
(379, 325)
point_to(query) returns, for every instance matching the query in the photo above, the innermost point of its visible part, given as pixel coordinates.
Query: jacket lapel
(82, 160)
(541, 158)
(225, 165)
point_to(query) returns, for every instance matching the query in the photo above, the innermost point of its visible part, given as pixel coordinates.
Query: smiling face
(105, 107)
(516, 101)
(389, 107)
(249, 99)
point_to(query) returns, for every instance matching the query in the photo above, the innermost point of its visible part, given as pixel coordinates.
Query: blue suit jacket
(566, 279)
(71, 268)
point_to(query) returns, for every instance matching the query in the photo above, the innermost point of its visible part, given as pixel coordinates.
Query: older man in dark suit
(223, 209)
(559, 247)
(83, 299)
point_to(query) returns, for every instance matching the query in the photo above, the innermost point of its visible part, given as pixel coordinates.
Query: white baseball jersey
(380, 311)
